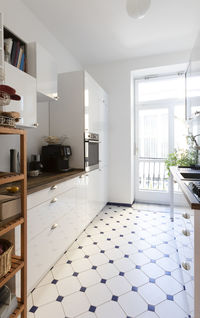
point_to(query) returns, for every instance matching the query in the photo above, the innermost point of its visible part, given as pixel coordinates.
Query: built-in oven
(91, 151)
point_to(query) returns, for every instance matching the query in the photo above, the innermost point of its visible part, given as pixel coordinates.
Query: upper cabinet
(42, 66)
(193, 84)
(17, 76)
(30, 70)
(25, 86)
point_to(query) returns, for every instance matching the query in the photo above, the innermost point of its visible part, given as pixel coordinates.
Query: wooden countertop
(182, 182)
(45, 180)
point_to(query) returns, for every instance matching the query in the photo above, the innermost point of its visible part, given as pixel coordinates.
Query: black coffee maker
(55, 158)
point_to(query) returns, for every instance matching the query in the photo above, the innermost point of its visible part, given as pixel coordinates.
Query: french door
(159, 129)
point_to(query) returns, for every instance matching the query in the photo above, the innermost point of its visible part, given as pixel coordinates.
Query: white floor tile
(152, 270)
(139, 259)
(136, 277)
(152, 294)
(98, 294)
(68, 286)
(181, 300)
(74, 254)
(81, 265)
(110, 309)
(167, 264)
(107, 271)
(62, 271)
(51, 310)
(169, 285)
(153, 253)
(44, 295)
(91, 249)
(124, 265)
(114, 254)
(118, 285)
(89, 278)
(133, 304)
(75, 304)
(169, 309)
(99, 259)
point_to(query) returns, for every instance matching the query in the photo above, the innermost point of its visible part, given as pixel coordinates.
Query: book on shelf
(8, 43)
(14, 53)
(20, 57)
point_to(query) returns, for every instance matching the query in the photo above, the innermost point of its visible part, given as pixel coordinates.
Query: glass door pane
(153, 149)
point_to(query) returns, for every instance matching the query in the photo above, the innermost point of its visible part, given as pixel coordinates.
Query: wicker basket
(5, 258)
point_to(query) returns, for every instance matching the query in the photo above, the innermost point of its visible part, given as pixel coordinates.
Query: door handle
(54, 187)
(54, 226)
(54, 200)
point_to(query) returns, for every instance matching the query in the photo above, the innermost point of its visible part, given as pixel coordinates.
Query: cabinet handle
(54, 187)
(186, 266)
(186, 232)
(81, 177)
(186, 216)
(36, 125)
(56, 97)
(54, 200)
(54, 226)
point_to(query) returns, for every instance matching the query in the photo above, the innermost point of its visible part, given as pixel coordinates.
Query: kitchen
(71, 260)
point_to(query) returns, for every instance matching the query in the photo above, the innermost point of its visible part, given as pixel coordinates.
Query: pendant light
(137, 8)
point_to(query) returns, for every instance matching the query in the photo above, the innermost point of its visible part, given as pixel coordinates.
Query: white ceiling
(98, 31)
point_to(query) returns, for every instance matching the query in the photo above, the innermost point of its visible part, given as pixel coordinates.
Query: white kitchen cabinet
(43, 251)
(42, 66)
(25, 86)
(52, 227)
(81, 108)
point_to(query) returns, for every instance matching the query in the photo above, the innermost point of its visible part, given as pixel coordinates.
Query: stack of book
(14, 52)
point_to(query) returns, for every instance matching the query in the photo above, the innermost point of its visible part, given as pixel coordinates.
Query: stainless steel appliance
(91, 151)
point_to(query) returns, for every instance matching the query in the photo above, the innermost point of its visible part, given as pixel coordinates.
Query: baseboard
(120, 204)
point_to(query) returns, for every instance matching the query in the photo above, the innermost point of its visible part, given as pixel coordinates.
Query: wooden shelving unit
(18, 263)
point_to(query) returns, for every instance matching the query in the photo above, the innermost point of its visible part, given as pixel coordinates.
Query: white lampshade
(137, 8)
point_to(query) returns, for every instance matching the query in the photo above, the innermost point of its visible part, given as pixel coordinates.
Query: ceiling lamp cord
(137, 8)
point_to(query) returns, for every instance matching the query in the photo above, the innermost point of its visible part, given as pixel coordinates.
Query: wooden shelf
(10, 177)
(17, 265)
(11, 131)
(11, 225)
(18, 310)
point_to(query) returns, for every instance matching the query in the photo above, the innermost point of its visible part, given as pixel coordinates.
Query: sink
(190, 175)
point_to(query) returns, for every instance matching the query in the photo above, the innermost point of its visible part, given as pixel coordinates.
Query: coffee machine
(55, 157)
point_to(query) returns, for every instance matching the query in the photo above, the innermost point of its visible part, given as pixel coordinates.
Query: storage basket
(5, 258)
(7, 121)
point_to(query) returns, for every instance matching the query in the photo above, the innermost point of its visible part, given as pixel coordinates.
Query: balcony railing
(153, 174)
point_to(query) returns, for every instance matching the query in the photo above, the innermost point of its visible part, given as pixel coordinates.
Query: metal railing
(153, 174)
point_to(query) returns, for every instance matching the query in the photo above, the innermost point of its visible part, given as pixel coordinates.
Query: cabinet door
(25, 86)
(43, 252)
(91, 104)
(42, 66)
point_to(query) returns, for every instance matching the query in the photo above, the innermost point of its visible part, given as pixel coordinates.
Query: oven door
(91, 155)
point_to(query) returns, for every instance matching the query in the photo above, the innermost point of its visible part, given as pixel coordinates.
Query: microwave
(91, 151)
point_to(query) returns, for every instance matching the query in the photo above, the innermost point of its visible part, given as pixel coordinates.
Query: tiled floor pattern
(125, 264)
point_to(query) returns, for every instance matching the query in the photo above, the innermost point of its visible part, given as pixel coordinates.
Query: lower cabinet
(54, 224)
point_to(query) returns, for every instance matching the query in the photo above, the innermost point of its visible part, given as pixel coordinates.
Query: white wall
(21, 21)
(115, 79)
